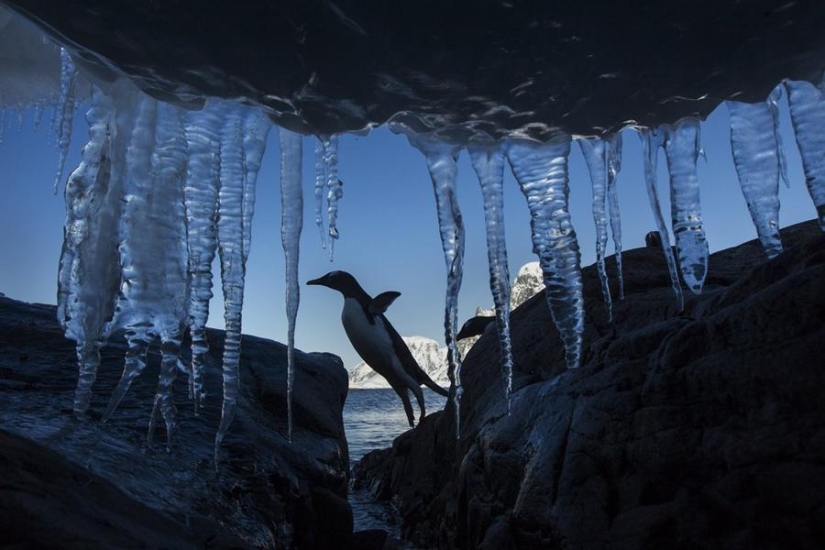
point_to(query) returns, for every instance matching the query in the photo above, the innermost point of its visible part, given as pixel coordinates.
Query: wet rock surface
(465, 69)
(85, 484)
(699, 429)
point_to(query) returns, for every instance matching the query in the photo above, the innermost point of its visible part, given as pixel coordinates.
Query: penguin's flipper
(382, 302)
(405, 399)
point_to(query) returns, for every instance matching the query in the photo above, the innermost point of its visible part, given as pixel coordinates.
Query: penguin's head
(341, 281)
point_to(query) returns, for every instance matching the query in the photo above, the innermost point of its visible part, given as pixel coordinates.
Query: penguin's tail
(427, 381)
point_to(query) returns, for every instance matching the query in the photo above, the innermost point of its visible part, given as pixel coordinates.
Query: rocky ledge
(85, 484)
(699, 429)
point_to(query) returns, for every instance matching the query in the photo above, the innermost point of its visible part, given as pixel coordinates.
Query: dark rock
(653, 239)
(88, 484)
(463, 68)
(699, 429)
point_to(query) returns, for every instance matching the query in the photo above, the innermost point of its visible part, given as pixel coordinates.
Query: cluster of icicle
(542, 174)
(158, 192)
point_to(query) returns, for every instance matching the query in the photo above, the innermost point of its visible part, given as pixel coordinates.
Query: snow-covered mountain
(432, 358)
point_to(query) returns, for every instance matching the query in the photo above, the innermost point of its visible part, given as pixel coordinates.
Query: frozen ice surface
(682, 150)
(541, 171)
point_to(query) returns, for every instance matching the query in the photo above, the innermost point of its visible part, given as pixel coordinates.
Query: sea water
(372, 420)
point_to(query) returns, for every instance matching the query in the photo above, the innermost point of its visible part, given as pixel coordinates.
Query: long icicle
(807, 104)
(441, 163)
(755, 155)
(201, 200)
(86, 304)
(292, 208)
(488, 163)
(135, 142)
(682, 150)
(169, 165)
(614, 166)
(233, 269)
(595, 153)
(651, 142)
(541, 171)
(64, 112)
(335, 190)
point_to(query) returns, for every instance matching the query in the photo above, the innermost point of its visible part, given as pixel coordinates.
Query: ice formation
(614, 166)
(335, 189)
(541, 171)
(203, 130)
(807, 104)
(652, 140)
(488, 162)
(160, 191)
(320, 186)
(292, 207)
(64, 118)
(757, 156)
(682, 150)
(441, 162)
(596, 152)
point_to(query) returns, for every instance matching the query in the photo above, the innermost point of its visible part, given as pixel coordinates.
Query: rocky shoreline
(699, 429)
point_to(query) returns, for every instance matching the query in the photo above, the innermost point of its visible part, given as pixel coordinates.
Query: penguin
(377, 341)
(475, 326)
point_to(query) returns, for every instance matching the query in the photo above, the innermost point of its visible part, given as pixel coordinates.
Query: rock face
(700, 429)
(83, 484)
(464, 68)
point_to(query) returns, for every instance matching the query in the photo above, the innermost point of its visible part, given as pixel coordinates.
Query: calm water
(372, 419)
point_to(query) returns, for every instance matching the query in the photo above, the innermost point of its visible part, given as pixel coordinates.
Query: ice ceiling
(184, 93)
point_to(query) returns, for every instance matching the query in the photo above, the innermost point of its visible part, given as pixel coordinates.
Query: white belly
(370, 340)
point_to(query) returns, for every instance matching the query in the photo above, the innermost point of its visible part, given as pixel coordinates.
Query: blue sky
(387, 220)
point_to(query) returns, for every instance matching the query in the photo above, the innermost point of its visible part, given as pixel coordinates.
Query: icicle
(541, 171)
(320, 184)
(807, 104)
(441, 163)
(255, 128)
(64, 112)
(89, 274)
(773, 104)
(682, 150)
(230, 246)
(132, 162)
(754, 146)
(292, 207)
(488, 163)
(335, 189)
(150, 157)
(595, 153)
(651, 141)
(614, 166)
(37, 117)
(169, 166)
(201, 199)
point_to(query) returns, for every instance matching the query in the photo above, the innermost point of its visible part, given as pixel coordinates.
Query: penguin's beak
(318, 281)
